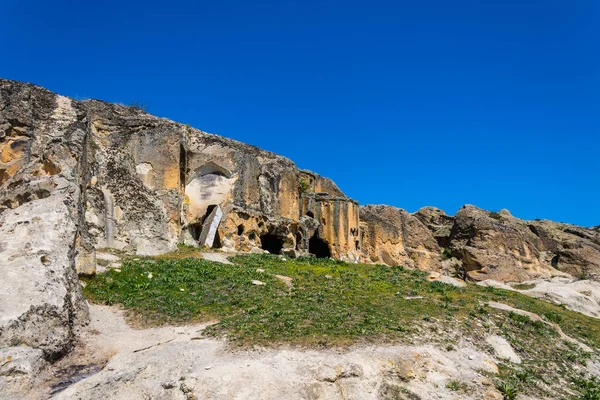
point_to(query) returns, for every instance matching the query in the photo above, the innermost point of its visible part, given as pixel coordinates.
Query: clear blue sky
(408, 103)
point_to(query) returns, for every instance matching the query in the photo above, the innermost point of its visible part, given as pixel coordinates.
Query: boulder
(19, 367)
(210, 226)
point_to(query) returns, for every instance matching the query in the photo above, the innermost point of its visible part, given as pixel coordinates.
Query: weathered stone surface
(496, 247)
(18, 368)
(500, 247)
(569, 248)
(438, 223)
(42, 137)
(210, 226)
(503, 349)
(178, 363)
(394, 237)
(153, 182)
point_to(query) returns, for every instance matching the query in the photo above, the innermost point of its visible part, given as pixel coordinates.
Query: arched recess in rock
(272, 243)
(318, 247)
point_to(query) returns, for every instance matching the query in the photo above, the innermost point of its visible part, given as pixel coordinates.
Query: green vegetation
(495, 215)
(446, 253)
(335, 303)
(457, 386)
(589, 388)
(304, 185)
(508, 389)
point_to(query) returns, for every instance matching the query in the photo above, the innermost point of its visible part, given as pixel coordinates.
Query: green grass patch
(331, 301)
(336, 303)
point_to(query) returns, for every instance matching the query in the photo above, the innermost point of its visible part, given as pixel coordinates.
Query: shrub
(495, 215)
(304, 185)
(137, 105)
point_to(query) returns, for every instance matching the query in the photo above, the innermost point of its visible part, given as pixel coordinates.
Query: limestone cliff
(143, 184)
(479, 244)
(153, 184)
(392, 236)
(80, 176)
(42, 180)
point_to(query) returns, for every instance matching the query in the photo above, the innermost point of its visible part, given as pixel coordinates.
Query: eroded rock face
(569, 248)
(478, 244)
(78, 176)
(394, 237)
(500, 247)
(42, 137)
(145, 184)
(438, 223)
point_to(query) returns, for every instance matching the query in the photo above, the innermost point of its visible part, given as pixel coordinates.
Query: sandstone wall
(394, 237)
(152, 183)
(501, 247)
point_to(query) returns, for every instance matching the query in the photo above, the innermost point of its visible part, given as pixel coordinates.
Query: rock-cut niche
(318, 247)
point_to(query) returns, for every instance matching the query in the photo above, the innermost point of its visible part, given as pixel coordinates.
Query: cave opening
(310, 214)
(240, 230)
(217, 241)
(195, 231)
(318, 247)
(555, 260)
(299, 244)
(273, 244)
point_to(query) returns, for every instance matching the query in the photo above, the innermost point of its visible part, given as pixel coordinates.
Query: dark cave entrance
(299, 244)
(196, 228)
(318, 247)
(217, 241)
(195, 231)
(273, 244)
(310, 214)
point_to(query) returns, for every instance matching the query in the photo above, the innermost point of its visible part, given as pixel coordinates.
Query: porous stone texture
(438, 223)
(501, 247)
(180, 363)
(154, 182)
(80, 176)
(42, 234)
(18, 369)
(392, 236)
(478, 244)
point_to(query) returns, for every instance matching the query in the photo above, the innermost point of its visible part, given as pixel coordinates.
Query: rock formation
(392, 236)
(501, 247)
(153, 184)
(80, 176)
(42, 140)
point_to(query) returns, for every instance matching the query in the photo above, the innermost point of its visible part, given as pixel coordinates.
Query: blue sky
(492, 103)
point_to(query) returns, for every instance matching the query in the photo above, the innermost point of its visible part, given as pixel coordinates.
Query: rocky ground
(178, 363)
(118, 361)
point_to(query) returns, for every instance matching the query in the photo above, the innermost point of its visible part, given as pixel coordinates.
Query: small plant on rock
(304, 185)
(446, 253)
(457, 386)
(495, 215)
(508, 389)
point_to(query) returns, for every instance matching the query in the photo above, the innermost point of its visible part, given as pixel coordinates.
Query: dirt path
(178, 363)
